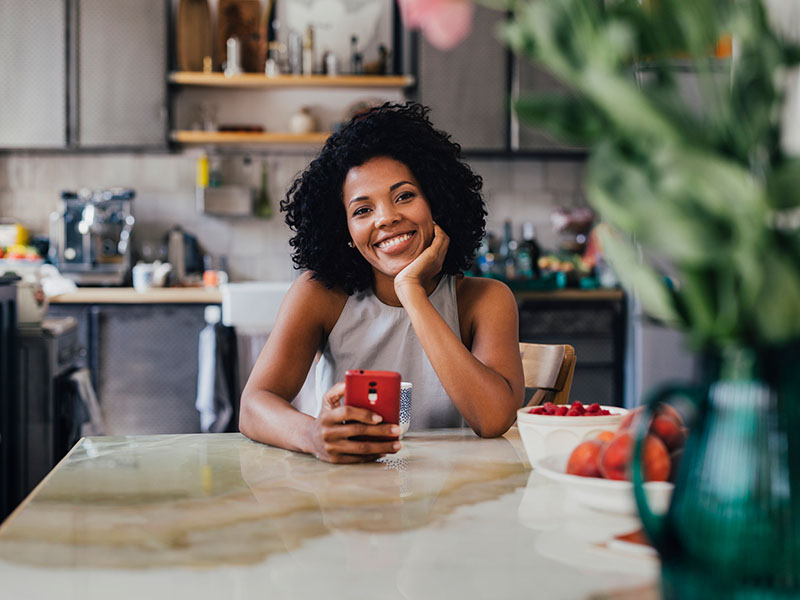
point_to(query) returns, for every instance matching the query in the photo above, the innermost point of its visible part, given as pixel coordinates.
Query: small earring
(350, 244)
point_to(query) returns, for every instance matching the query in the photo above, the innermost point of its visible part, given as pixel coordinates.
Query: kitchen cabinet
(594, 323)
(33, 71)
(83, 74)
(528, 79)
(121, 67)
(469, 90)
(466, 88)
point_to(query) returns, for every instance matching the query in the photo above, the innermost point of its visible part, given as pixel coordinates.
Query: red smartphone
(378, 391)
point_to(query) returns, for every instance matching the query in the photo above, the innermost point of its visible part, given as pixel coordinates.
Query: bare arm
(266, 415)
(485, 383)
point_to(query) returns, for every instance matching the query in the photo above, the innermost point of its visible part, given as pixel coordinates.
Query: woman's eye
(405, 196)
(360, 211)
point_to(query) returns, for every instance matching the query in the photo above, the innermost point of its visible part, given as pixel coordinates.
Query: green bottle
(263, 205)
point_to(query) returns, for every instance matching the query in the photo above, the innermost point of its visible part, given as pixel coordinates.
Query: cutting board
(194, 35)
(241, 19)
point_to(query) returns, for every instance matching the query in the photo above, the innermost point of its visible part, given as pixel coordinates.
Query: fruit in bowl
(576, 409)
(558, 429)
(609, 454)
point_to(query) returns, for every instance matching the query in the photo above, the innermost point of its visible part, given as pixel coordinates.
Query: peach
(615, 458)
(655, 456)
(670, 411)
(670, 430)
(583, 460)
(605, 436)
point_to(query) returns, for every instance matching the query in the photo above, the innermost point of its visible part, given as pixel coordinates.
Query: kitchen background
(257, 249)
(97, 109)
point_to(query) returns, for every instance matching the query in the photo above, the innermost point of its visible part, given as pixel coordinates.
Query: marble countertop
(219, 516)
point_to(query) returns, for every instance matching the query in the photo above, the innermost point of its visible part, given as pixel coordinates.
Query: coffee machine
(90, 235)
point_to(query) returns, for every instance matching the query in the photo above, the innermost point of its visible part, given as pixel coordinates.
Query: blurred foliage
(700, 190)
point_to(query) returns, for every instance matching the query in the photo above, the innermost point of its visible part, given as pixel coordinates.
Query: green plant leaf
(639, 278)
(567, 118)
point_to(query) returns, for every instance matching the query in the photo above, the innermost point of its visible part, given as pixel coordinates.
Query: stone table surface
(219, 516)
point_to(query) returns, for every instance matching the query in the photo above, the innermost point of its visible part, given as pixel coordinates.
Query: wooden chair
(549, 369)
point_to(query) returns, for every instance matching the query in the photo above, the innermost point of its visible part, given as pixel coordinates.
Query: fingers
(440, 239)
(333, 397)
(352, 413)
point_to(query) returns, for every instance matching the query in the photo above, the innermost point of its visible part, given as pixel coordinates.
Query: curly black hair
(315, 211)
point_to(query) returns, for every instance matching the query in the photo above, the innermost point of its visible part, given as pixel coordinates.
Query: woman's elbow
(246, 415)
(494, 428)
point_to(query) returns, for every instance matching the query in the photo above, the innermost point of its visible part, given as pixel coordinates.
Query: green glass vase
(732, 529)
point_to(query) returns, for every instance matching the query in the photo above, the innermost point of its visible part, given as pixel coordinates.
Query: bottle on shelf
(484, 259)
(508, 252)
(308, 51)
(215, 172)
(356, 59)
(295, 53)
(201, 179)
(263, 205)
(532, 248)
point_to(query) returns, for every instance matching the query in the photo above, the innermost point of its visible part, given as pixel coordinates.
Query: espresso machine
(90, 235)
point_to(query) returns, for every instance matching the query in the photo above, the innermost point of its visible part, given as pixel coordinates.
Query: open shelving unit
(257, 81)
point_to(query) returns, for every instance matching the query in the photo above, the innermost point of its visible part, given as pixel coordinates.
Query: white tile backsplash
(30, 185)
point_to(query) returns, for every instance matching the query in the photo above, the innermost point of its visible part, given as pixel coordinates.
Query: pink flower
(444, 23)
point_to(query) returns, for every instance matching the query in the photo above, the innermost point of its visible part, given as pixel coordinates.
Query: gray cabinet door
(121, 73)
(33, 89)
(467, 87)
(530, 79)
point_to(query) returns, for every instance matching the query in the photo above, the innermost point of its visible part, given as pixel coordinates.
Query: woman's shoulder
(481, 299)
(480, 290)
(315, 300)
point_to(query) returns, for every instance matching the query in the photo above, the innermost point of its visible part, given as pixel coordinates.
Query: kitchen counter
(219, 516)
(189, 295)
(123, 295)
(571, 294)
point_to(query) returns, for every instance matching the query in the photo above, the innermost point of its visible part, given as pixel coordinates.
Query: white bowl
(607, 495)
(546, 434)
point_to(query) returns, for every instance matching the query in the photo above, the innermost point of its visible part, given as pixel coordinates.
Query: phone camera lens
(372, 384)
(372, 390)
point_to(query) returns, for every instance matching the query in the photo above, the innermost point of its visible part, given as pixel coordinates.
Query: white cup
(142, 275)
(405, 407)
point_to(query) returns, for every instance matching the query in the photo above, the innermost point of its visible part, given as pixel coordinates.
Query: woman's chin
(391, 268)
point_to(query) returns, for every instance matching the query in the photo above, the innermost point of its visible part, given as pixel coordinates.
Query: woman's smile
(396, 244)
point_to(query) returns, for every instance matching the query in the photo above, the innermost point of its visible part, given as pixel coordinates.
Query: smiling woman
(386, 219)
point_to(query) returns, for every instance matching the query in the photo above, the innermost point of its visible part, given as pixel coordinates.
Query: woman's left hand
(426, 266)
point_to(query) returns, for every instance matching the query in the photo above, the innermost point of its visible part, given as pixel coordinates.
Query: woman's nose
(386, 214)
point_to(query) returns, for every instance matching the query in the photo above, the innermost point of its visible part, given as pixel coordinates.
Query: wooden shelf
(232, 137)
(256, 80)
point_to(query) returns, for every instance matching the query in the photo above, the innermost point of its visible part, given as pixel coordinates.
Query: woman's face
(389, 219)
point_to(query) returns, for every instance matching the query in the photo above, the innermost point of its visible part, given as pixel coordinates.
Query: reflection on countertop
(201, 514)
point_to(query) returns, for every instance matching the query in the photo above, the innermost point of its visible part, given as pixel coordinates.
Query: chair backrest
(548, 368)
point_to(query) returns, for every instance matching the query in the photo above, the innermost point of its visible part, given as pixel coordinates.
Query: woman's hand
(426, 266)
(337, 423)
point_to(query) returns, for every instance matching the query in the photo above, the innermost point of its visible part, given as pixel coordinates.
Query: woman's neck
(384, 288)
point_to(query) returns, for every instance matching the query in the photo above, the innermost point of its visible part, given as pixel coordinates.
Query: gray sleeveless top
(372, 335)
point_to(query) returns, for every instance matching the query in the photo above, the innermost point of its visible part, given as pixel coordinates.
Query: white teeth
(394, 241)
